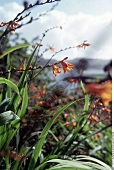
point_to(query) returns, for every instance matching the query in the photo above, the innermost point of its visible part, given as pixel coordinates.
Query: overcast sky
(81, 20)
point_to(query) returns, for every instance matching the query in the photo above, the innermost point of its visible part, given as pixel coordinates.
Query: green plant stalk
(10, 131)
(24, 104)
(81, 123)
(10, 134)
(42, 137)
(46, 159)
(3, 136)
(7, 162)
(59, 145)
(8, 76)
(10, 84)
(20, 84)
(18, 164)
(11, 49)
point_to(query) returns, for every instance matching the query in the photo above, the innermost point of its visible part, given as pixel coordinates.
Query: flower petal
(104, 91)
(55, 70)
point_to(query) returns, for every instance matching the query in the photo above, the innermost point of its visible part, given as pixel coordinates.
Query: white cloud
(9, 11)
(96, 29)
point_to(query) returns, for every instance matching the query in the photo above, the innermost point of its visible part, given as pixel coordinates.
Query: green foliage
(12, 106)
(81, 163)
(6, 117)
(13, 49)
(42, 128)
(4, 104)
(43, 135)
(10, 84)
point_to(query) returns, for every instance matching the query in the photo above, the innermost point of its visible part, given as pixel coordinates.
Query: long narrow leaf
(8, 76)
(6, 117)
(86, 105)
(4, 104)
(68, 164)
(82, 162)
(13, 49)
(43, 135)
(15, 97)
(84, 157)
(24, 102)
(25, 72)
(10, 134)
(3, 136)
(10, 84)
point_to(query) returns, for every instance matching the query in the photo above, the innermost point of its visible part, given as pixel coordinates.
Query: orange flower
(55, 70)
(61, 138)
(104, 91)
(92, 105)
(86, 45)
(83, 45)
(20, 69)
(74, 124)
(41, 103)
(67, 124)
(92, 119)
(65, 66)
(52, 49)
(96, 136)
(79, 46)
(11, 25)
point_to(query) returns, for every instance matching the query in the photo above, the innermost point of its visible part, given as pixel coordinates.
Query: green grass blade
(43, 135)
(80, 122)
(8, 76)
(10, 84)
(82, 162)
(24, 102)
(17, 164)
(4, 104)
(11, 131)
(25, 72)
(86, 105)
(68, 164)
(21, 83)
(88, 158)
(13, 49)
(3, 136)
(7, 162)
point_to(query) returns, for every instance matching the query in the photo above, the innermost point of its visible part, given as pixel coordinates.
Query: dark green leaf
(3, 104)
(13, 49)
(10, 84)
(6, 117)
(43, 135)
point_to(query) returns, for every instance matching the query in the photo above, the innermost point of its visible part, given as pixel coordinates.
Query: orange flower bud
(55, 70)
